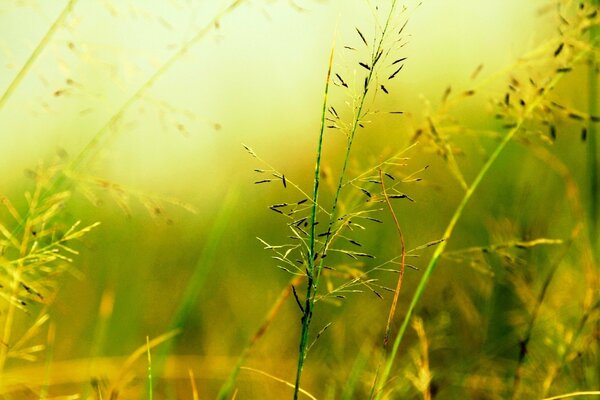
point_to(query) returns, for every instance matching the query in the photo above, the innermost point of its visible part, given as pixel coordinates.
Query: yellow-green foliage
(413, 213)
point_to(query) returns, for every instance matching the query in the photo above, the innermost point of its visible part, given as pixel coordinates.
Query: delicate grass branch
(310, 272)
(574, 394)
(36, 52)
(402, 263)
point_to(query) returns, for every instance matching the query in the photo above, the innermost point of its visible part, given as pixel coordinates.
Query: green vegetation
(389, 234)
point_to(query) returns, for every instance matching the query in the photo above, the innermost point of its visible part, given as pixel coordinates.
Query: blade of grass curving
(308, 308)
(531, 107)
(227, 387)
(304, 392)
(36, 52)
(392, 312)
(402, 262)
(198, 279)
(574, 394)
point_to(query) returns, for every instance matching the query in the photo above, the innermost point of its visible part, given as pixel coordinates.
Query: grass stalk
(36, 52)
(314, 271)
(286, 383)
(592, 158)
(402, 262)
(592, 146)
(431, 266)
(398, 283)
(150, 386)
(127, 365)
(309, 303)
(574, 394)
(193, 385)
(352, 134)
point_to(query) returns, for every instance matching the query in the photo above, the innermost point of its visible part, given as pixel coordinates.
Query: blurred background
(184, 197)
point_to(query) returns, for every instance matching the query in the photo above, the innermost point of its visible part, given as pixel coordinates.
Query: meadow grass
(326, 226)
(531, 107)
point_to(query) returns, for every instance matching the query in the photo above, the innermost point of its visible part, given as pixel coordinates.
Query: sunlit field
(299, 199)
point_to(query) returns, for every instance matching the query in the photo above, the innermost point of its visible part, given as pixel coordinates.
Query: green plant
(384, 64)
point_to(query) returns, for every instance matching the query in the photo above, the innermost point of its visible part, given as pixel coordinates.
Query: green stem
(313, 281)
(309, 303)
(355, 125)
(592, 146)
(36, 53)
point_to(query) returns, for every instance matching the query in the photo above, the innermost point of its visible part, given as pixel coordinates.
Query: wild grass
(531, 107)
(506, 306)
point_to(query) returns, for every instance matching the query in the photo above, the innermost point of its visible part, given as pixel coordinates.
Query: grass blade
(36, 52)
(149, 383)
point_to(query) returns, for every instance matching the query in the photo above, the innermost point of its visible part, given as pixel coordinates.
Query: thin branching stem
(352, 134)
(392, 312)
(309, 302)
(402, 262)
(16, 279)
(314, 270)
(39, 49)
